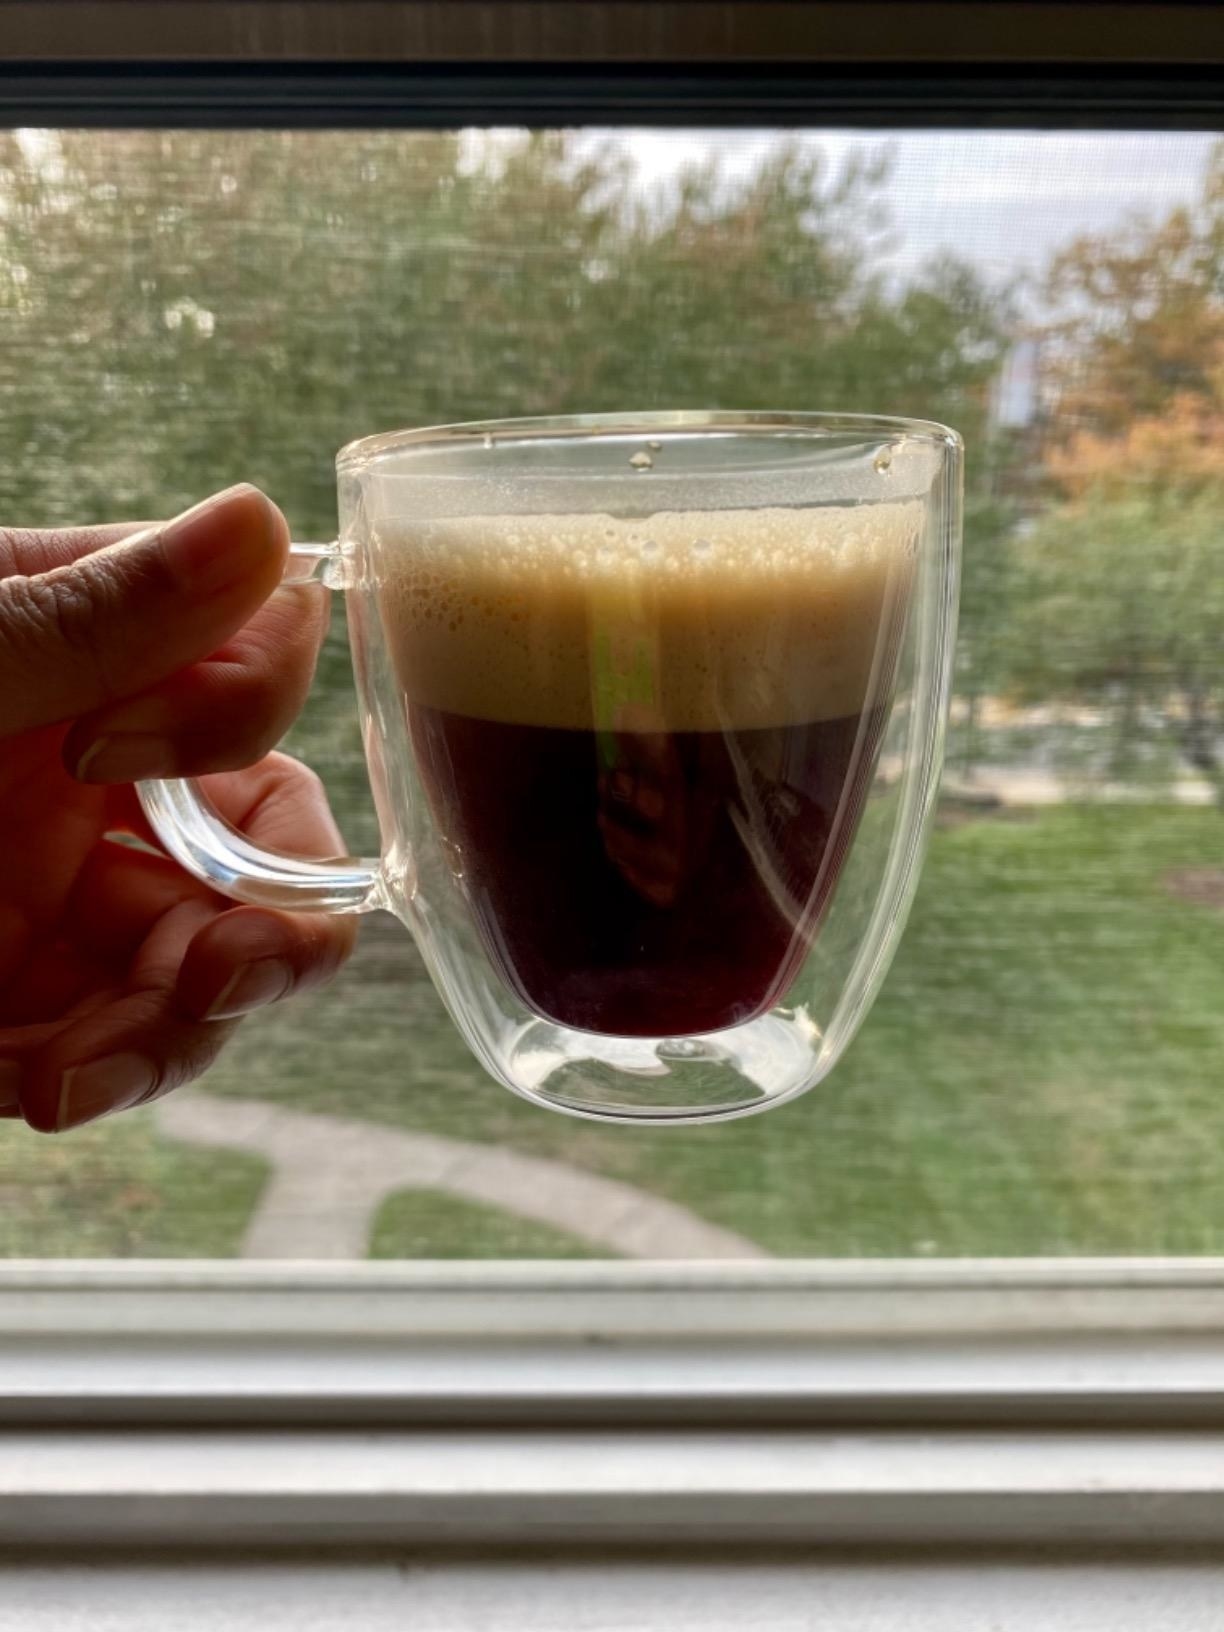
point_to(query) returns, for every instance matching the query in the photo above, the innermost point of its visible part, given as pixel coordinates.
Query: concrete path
(331, 1174)
(1029, 785)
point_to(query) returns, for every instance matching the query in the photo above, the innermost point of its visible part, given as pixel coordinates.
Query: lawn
(1042, 1073)
(118, 1190)
(431, 1224)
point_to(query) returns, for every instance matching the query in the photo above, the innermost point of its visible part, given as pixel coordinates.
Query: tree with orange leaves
(1122, 578)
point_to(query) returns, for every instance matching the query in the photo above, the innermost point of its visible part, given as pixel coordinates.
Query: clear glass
(653, 708)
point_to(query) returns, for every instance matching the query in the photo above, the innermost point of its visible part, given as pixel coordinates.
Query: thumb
(115, 621)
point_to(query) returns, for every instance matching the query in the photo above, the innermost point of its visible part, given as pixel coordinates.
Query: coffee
(648, 743)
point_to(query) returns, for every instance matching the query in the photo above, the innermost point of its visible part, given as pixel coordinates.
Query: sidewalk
(1016, 786)
(330, 1175)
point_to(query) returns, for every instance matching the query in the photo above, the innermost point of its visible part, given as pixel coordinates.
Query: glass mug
(653, 707)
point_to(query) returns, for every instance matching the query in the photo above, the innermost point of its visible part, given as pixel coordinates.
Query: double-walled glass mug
(653, 707)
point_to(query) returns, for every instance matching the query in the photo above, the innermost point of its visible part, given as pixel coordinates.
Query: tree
(183, 309)
(1138, 316)
(1122, 598)
(1125, 607)
(188, 307)
(986, 609)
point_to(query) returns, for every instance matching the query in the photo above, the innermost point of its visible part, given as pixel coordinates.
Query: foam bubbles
(693, 621)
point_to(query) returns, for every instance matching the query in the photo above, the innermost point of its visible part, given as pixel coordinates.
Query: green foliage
(986, 603)
(1120, 593)
(1122, 604)
(183, 309)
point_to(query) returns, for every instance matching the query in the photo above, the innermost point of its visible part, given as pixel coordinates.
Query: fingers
(193, 965)
(281, 803)
(16, 1047)
(129, 1050)
(32, 550)
(116, 621)
(250, 956)
(253, 956)
(119, 895)
(220, 714)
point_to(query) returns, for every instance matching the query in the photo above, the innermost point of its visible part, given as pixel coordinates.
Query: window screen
(182, 310)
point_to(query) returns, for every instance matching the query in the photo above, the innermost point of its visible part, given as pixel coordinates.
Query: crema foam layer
(684, 621)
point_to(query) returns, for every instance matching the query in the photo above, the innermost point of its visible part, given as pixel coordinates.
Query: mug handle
(200, 839)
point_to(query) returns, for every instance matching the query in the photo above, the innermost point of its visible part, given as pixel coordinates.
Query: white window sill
(702, 1594)
(1020, 1343)
(874, 1447)
(969, 1404)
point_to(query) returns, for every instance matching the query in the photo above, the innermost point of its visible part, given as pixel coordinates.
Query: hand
(127, 652)
(657, 811)
(644, 815)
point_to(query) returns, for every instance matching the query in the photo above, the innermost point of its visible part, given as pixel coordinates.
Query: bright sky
(1003, 199)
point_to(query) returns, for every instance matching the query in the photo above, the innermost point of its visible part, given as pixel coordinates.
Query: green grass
(119, 1190)
(431, 1224)
(1043, 1072)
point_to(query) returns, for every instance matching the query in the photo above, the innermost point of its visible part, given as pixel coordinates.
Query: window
(197, 287)
(185, 308)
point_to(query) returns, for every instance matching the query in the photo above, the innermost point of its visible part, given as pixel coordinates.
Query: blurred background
(182, 310)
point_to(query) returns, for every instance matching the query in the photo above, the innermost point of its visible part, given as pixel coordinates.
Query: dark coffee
(647, 745)
(673, 890)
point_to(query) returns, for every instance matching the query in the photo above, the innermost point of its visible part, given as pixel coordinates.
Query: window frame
(1094, 64)
(880, 1405)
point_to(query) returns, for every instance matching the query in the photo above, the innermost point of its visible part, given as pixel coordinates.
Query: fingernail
(112, 1083)
(251, 986)
(10, 1088)
(209, 547)
(126, 757)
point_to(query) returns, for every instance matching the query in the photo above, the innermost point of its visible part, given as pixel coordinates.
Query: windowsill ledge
(845, 1404)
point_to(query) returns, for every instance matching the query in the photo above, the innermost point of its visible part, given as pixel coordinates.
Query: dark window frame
(438, 63)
